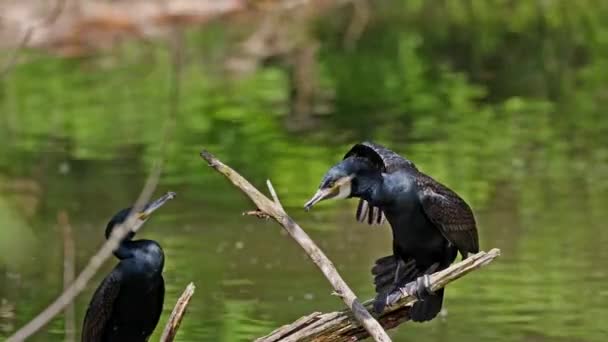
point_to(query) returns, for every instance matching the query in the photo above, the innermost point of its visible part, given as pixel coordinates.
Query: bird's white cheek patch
(344, 191)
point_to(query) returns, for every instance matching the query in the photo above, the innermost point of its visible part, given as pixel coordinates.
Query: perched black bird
(127, 304)
(430, 222)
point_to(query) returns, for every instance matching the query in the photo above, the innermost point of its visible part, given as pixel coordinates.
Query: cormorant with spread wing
(430, 222)
(127, 304)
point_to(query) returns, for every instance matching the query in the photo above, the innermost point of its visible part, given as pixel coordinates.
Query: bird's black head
(342, 180)
(140, 217)
(117, 219)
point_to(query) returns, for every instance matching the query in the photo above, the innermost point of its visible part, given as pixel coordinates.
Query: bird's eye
(337, 183)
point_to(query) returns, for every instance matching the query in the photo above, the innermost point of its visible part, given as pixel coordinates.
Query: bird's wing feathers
(381, 157)
(450, 213)
(385, 161)
(365, 212)
(100, 308)
(160, 297)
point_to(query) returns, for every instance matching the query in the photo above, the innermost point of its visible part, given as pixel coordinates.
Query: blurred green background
(504, 101)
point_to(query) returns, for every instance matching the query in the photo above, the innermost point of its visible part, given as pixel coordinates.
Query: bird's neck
(370, 187)
(146, 251)
(125, 249)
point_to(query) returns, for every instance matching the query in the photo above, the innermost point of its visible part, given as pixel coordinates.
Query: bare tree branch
(177, 314)
(273, 193)
(340, 326)
(274, 210)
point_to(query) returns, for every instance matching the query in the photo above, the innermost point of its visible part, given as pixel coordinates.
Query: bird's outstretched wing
(100, 309)
(381, 157)
(385, 161)
(366, 212)
(450, 214)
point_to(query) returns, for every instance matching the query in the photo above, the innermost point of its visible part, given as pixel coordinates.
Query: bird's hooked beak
(320, 195)
(330, 192)
(153, 206)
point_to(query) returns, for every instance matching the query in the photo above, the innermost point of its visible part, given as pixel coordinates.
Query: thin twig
(69, 265)
(273, 193)
(340, 326)
(29, 32)
(257, 213)
(275, 211)
(177, 314)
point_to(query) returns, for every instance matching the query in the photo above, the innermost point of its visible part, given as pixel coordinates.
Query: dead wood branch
(341, 326)
(177, 314)
(274, 210)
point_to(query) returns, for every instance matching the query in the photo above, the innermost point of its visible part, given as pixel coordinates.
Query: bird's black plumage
(430, 222)
(128, 303)
(383, 160)
(447, 211)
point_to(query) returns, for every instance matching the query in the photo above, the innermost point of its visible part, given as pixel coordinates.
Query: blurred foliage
(501, 100)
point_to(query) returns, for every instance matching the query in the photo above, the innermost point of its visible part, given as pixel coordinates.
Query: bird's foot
(389, 272)
(419, 289)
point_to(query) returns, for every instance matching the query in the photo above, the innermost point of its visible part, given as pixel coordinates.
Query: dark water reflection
(80, 136)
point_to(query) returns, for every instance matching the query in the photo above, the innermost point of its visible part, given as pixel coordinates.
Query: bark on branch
(341, 326)
(177, 314)
(274, 210)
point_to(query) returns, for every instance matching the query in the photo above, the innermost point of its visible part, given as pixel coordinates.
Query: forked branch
(274, 210)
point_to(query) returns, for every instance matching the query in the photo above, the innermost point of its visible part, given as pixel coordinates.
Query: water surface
(520, 132)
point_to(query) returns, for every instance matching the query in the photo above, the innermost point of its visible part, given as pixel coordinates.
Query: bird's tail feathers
(385, 281)
(427, 309)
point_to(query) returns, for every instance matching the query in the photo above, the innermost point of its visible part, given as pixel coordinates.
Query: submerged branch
(276, 211)
(177, 314)
(341, 326)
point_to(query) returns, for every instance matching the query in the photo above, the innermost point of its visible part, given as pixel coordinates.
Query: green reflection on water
(504, 103)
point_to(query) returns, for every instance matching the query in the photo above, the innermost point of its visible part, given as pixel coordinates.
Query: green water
(503, 102)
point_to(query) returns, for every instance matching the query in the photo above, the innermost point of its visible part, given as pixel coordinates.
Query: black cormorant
(430, 222)
(127, 304)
